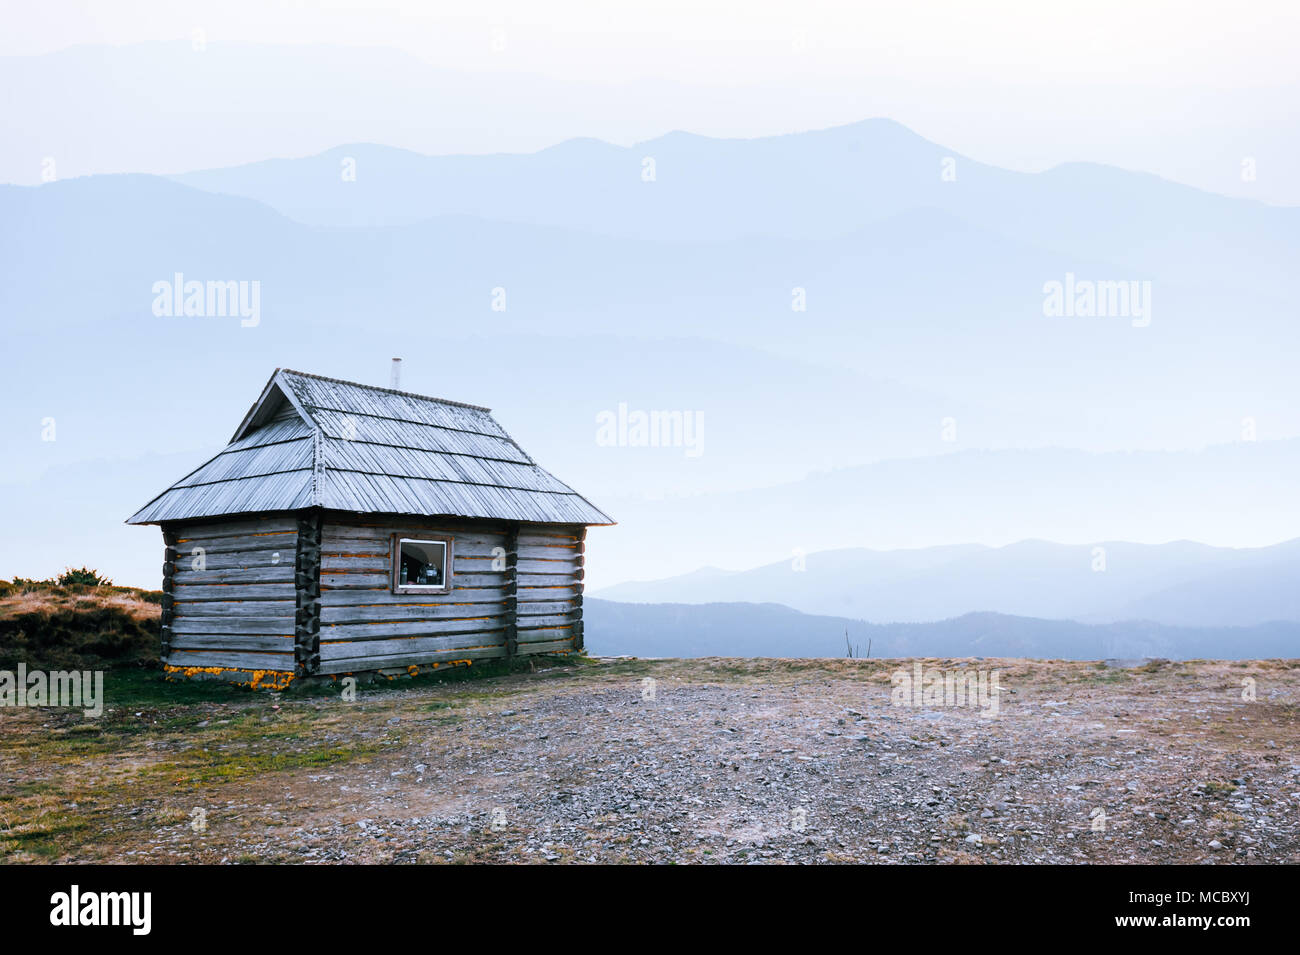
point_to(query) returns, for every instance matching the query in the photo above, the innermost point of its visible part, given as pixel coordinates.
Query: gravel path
(753, 761)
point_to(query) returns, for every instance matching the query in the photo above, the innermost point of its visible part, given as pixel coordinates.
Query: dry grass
(46, 626)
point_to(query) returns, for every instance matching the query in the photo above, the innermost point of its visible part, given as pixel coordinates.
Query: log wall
(550, 588)
(234, 602)
(498, 571)
(311, 594)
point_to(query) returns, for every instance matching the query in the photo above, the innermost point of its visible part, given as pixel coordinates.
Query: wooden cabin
(350, 529)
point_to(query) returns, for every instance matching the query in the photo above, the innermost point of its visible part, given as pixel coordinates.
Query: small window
(421, 566)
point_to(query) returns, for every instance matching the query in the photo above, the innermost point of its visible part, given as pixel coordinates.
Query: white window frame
(396, 548)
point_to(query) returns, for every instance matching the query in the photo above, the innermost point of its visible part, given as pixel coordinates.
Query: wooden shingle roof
(310, 441)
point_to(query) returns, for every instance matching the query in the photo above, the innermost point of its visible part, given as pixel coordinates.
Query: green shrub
(82, 575)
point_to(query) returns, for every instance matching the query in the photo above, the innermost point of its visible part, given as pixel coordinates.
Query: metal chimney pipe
(395, 379)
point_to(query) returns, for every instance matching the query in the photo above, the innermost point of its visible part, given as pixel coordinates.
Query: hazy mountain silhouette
(950, 311)
(1240, 492)
(1179, 583)
(922, 398)
(812, 185)
(769, 630)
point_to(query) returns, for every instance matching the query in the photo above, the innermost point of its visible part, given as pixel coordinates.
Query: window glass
(422, 564)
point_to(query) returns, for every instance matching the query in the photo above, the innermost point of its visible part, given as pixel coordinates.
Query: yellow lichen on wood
(259, 679)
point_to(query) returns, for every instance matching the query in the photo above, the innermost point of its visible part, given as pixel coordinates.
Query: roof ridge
(391, 391)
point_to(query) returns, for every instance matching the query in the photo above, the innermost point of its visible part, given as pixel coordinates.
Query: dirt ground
(716, 760)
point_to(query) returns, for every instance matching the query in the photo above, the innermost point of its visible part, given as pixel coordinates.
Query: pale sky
(1237, 44)
(1183, 89)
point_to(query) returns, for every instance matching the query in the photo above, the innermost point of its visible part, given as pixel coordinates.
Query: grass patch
(77, 625)
(145, 688)
(246, 752)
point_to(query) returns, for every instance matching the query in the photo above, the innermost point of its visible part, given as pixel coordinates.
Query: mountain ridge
(725, 629)
(1095, 583)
